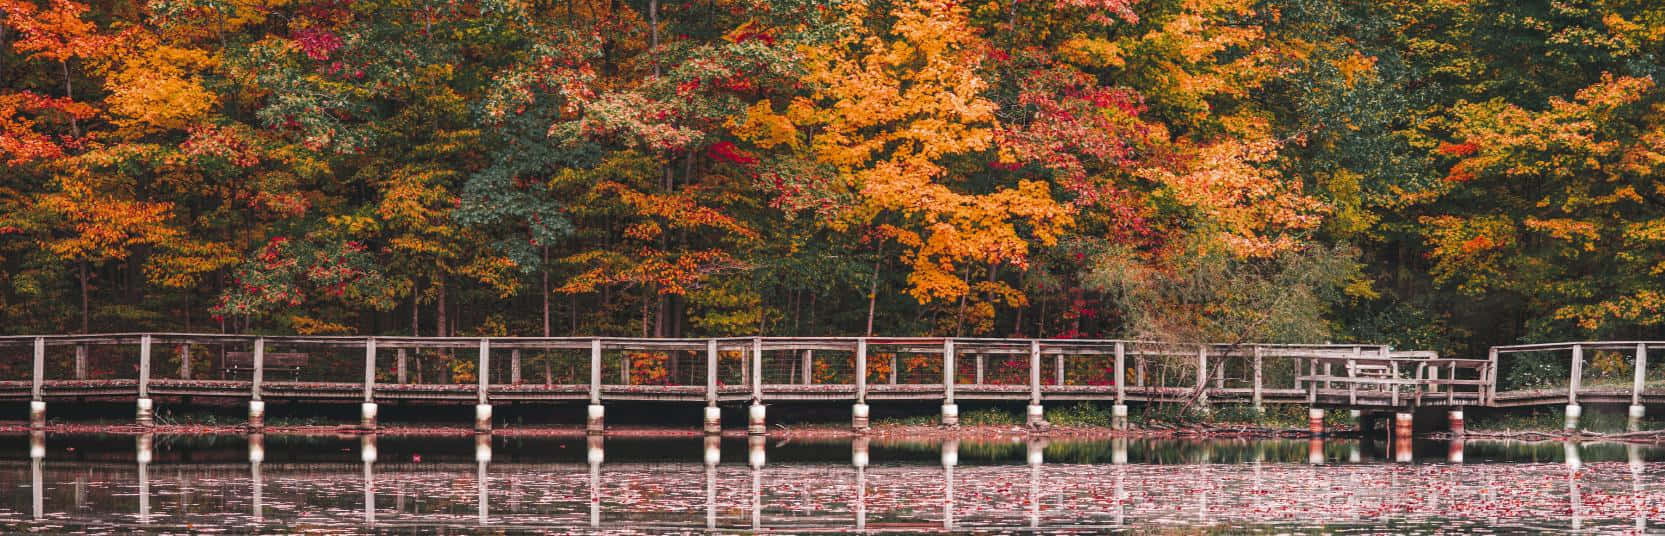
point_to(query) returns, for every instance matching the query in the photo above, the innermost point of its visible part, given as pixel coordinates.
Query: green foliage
(1440, 175)
(1083, 414)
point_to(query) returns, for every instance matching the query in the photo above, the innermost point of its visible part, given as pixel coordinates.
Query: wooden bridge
(714, 371)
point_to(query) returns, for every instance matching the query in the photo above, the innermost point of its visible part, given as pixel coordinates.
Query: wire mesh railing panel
(1535, 369)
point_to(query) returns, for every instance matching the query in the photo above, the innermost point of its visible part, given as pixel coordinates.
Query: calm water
(120, 484)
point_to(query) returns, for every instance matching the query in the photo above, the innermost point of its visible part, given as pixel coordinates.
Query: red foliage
(727, 152)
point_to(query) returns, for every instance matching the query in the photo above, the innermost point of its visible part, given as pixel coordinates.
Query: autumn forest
(1433, 174)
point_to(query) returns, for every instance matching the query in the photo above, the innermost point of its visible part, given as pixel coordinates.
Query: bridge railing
(743, 367)
(1571, 372)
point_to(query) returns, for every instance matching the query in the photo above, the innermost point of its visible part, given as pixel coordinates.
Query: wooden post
(861, 370)
(1352, 377)
(1035, 372)
(1451, 390)
(757, 369)
(185, 361)
(1255, 396)
(1636, 385)
(1312, 385)
(1060, 359)
(514, 366)
(1382, 352)
(595, 372)
(1202, 372)
(483, 372)
(1121, 374)
(144, 366)
(809, 366)
(1220, 374)
(624, 367)
(1490, 375)
(35, 381)
(401, 366)
(1577, 374)
(259, 366)
(948, 371)
(1139, 370)
(894, 369)
(711, 372)
(80, 361)
(369, 369)
(980, 360)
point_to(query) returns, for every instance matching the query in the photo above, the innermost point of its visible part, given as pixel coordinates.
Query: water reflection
(105, 483)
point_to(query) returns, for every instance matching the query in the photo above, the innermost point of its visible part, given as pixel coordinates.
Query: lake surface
(115, 484)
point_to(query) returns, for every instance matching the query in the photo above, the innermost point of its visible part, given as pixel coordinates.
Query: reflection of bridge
(760, 370)
(372, 492)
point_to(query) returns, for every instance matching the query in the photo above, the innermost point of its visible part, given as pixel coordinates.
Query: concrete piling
(1315, 421)
(257, 414)
(37, 414)
(1637, 411)
(950, 415)
(1118, 416)
(1574, 411)
(595, 419)
(367, 415)
(1455, 418)
(1035, 418)
(755, 421)
(145, 416)
(482, 417)
(713, 420)
(1402, 424)
(859, 414)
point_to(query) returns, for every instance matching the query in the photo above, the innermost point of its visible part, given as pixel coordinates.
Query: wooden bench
(240, 362)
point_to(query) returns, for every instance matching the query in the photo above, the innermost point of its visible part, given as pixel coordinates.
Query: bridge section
(753, 370)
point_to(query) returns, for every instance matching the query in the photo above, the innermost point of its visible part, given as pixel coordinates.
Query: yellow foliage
(1092, 52)
(305, 325)
(885, 110)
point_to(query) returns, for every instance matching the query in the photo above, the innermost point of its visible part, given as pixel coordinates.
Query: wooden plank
(80, 361)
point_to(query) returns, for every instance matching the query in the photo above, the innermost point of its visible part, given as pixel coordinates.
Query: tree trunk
(873, 289)
(546, 291)
(86, 313)
(439, 307)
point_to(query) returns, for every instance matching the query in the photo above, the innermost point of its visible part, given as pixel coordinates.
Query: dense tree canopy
(1443, 175)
